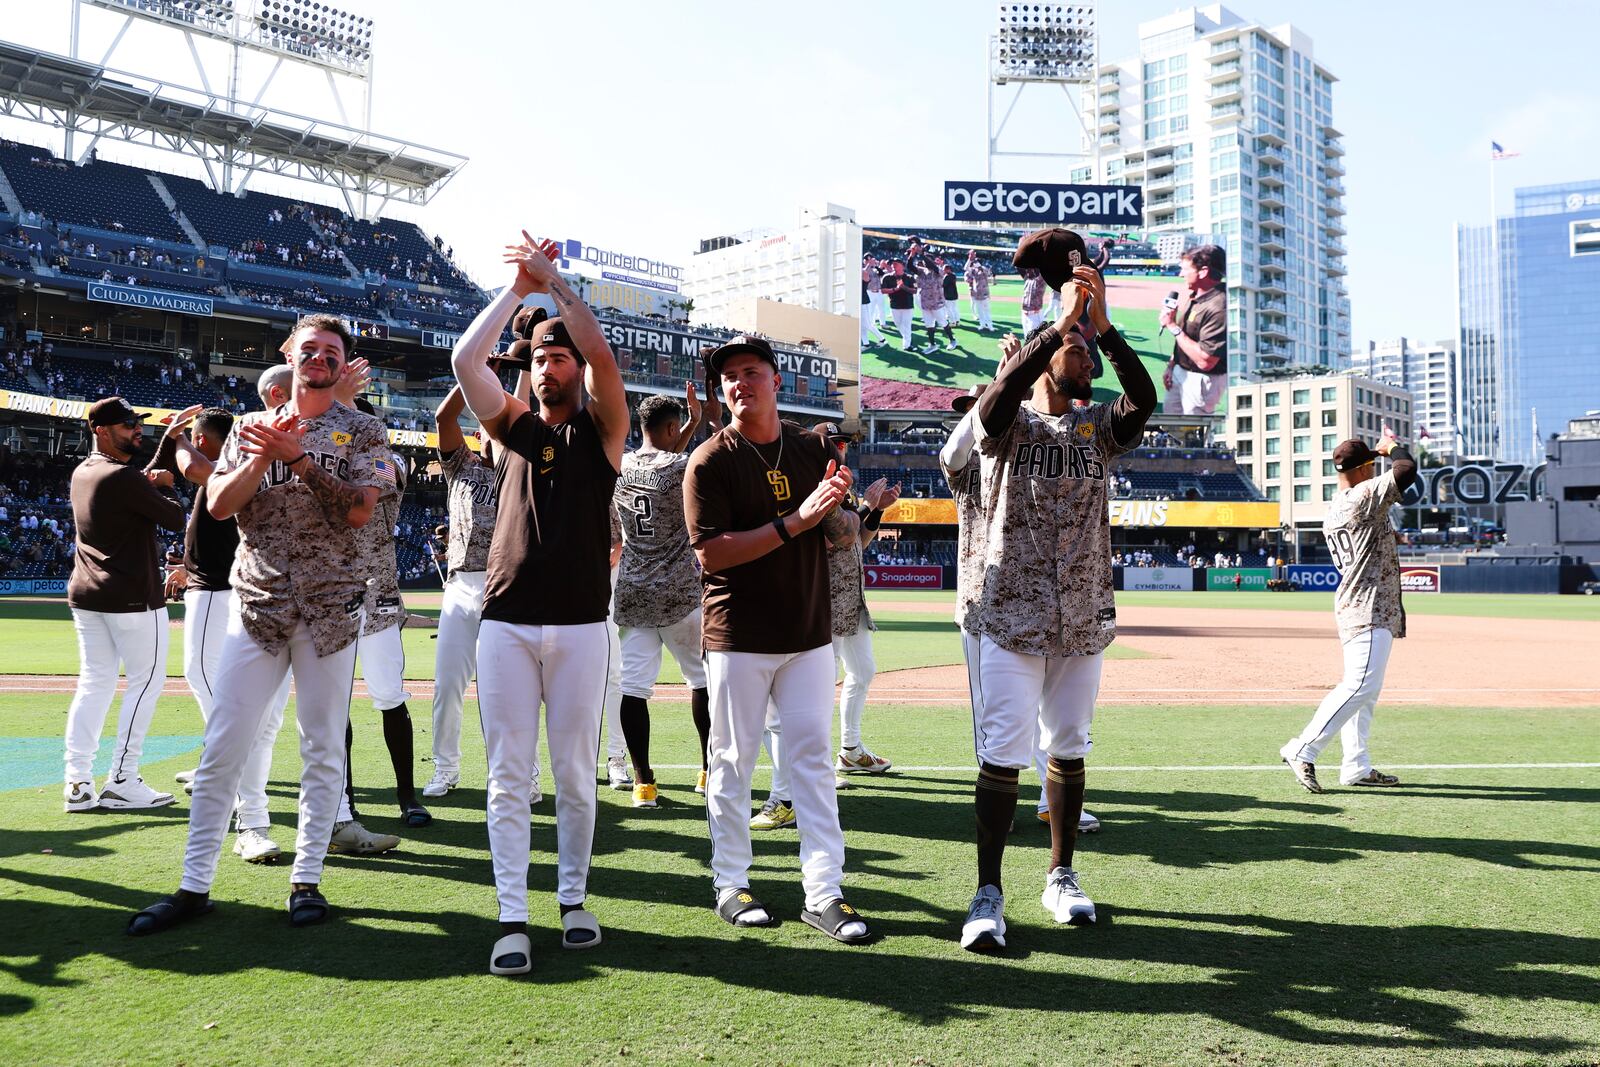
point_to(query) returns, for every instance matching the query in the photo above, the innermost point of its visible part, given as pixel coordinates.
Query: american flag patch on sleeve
(385, 469)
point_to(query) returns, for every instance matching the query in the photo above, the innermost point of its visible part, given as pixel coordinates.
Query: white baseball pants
(205, 628)
(1016, 695)
(854, 651)
(867, 325)
(1031, 321)
(455, 663)
(800, 685)
(952, 313)
(383, 667)
(641, 655)
(880, 304)
(242, 697)
(902, 322)
(109, 641)
(1347, 709)
(772, 736)
(980, 308)
(616, 744)
(1193, 393)
(565, 668)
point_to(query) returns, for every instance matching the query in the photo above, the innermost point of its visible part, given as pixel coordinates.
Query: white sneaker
(254, 846)
(985, 927)
(183, 777)
(1065, 900)
(353, 839)
(617, 771)
(80, 796)
(1087, 824)
(442, 783)
(125, 794)
(859, 760)
(535, 794)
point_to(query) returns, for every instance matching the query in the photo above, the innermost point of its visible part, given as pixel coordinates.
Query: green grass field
(1243, 921)
(977, 353)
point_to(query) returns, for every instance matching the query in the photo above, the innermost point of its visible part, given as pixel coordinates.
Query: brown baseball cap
(961, 404)
(831, 431)
(743, 344)
(1349, 455)
(113, 411)
(1055, 253)
(552, 333)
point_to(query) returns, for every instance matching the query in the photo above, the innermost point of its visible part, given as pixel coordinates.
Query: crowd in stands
(36, 530)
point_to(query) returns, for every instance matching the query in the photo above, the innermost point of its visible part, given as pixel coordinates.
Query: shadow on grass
(1255, 968)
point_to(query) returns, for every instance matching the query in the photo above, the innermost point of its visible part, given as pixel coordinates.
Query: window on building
(1244, 448)
(1302, 444)
(1302, 494)
(1302, 420)
(1330, 417)
(1272, 422)
(1302, 468)
(1327, 491)
(1272, 493)
(1272, 400)
(1272, 471)
(1330, 393)
(1244, 424)
(1242, 403)
(1327, 468)
(1247, 470)
(1302, 396)
(1272, 446)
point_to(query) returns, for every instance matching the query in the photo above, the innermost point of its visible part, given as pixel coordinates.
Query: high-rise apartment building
(1428, 373)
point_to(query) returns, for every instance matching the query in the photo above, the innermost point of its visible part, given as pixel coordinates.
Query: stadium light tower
(1042, 44)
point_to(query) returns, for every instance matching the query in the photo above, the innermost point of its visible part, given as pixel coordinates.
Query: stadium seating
(234, 221)
(104, 195)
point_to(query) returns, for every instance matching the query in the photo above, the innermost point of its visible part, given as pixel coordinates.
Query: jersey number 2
(642, 509)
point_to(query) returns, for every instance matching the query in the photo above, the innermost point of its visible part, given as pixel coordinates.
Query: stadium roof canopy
(227, 136)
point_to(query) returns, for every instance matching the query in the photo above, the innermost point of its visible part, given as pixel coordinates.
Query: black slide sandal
(416, 815)
(166, 913)
(307, 907)
(831, 919)
(741, 902)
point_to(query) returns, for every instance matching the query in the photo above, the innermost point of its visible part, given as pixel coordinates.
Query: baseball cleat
(1374, 777)
(183, 777)
(1065, 900)
(985, 928)
(353, 839)
(254, 846)
(1087, 824)
(535, 794)
(1304, 773)
(859, 760)
(126, 794)
(644, 795)
(774, 815)
(80, 796)
(700, 783)
(617, 772)
(442, 783)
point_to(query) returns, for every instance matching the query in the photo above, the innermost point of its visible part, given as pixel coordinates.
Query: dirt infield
(1205, 656)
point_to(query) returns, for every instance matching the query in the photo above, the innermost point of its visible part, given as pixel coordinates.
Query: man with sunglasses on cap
(118, 606)
(547, 591)
(1366, 605)
(302, 481)
(761, 500)
(1046, 613)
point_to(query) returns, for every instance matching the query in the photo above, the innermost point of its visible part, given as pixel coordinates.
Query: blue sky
(645, 126)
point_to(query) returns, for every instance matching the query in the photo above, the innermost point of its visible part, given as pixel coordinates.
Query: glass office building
(1528, 346)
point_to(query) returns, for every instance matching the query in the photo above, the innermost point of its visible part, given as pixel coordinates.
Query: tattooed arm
(342, 500)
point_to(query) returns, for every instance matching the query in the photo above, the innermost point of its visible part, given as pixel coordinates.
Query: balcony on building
(1225, 113)
(1231, 48)
(1219, 71)
(1270, 196)
(1111, 101)
(1272, 352)
(1225, 92)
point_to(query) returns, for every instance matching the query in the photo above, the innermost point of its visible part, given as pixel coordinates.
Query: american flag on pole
(1497, 151)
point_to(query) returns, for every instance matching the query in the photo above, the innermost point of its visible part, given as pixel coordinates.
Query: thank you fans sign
(1052, 205)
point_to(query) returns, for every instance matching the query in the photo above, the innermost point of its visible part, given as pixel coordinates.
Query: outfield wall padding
(1481, 579)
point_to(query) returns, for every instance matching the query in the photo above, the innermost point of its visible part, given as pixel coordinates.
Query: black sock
(397, 735)
(933, 337)
(1063, 790)
(635, 716)
(349, 769)
(950, 334)
(700, 708)
(996, 803)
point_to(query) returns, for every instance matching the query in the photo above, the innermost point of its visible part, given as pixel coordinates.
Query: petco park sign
(1103, 205)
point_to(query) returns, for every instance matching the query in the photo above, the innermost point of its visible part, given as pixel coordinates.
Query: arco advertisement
(1316, 576)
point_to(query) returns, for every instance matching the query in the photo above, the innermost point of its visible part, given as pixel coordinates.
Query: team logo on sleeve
(341, 438)
(780, 485)
(1086, 430)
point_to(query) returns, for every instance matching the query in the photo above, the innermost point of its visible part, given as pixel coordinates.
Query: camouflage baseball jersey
(1047, 552)
(658, 583)
(1361, 542)
(972, 528)
(850, 612)
(1033, 291)
(296, 563)
(873, 279)
(383, 605)
(978, 279)
(930, 287)
(473, 503)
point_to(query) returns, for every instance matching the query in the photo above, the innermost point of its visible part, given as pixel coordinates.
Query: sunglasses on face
(132, 424)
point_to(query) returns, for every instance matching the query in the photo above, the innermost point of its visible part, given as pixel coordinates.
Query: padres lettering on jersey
(296, 563)
(474, 502)
(1046, 558)
(1361, 542)
(658, 583)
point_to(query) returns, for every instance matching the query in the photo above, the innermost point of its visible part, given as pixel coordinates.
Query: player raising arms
(1047, 613)
(547, 591)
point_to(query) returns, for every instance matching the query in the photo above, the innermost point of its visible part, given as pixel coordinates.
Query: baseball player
(472, 501)
(657, 602)
(543, 635)
(118, 607)
(899, 289)
(301, 481)
(761, 502)
(930, 295)
(209, 545)
(382, 654)
(978, 278)
(1366, 606)
(1046, 611)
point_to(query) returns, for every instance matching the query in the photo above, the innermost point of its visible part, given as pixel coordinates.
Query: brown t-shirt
(779, 602)
(116, 510)
(549, 560)
(1205, 319)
